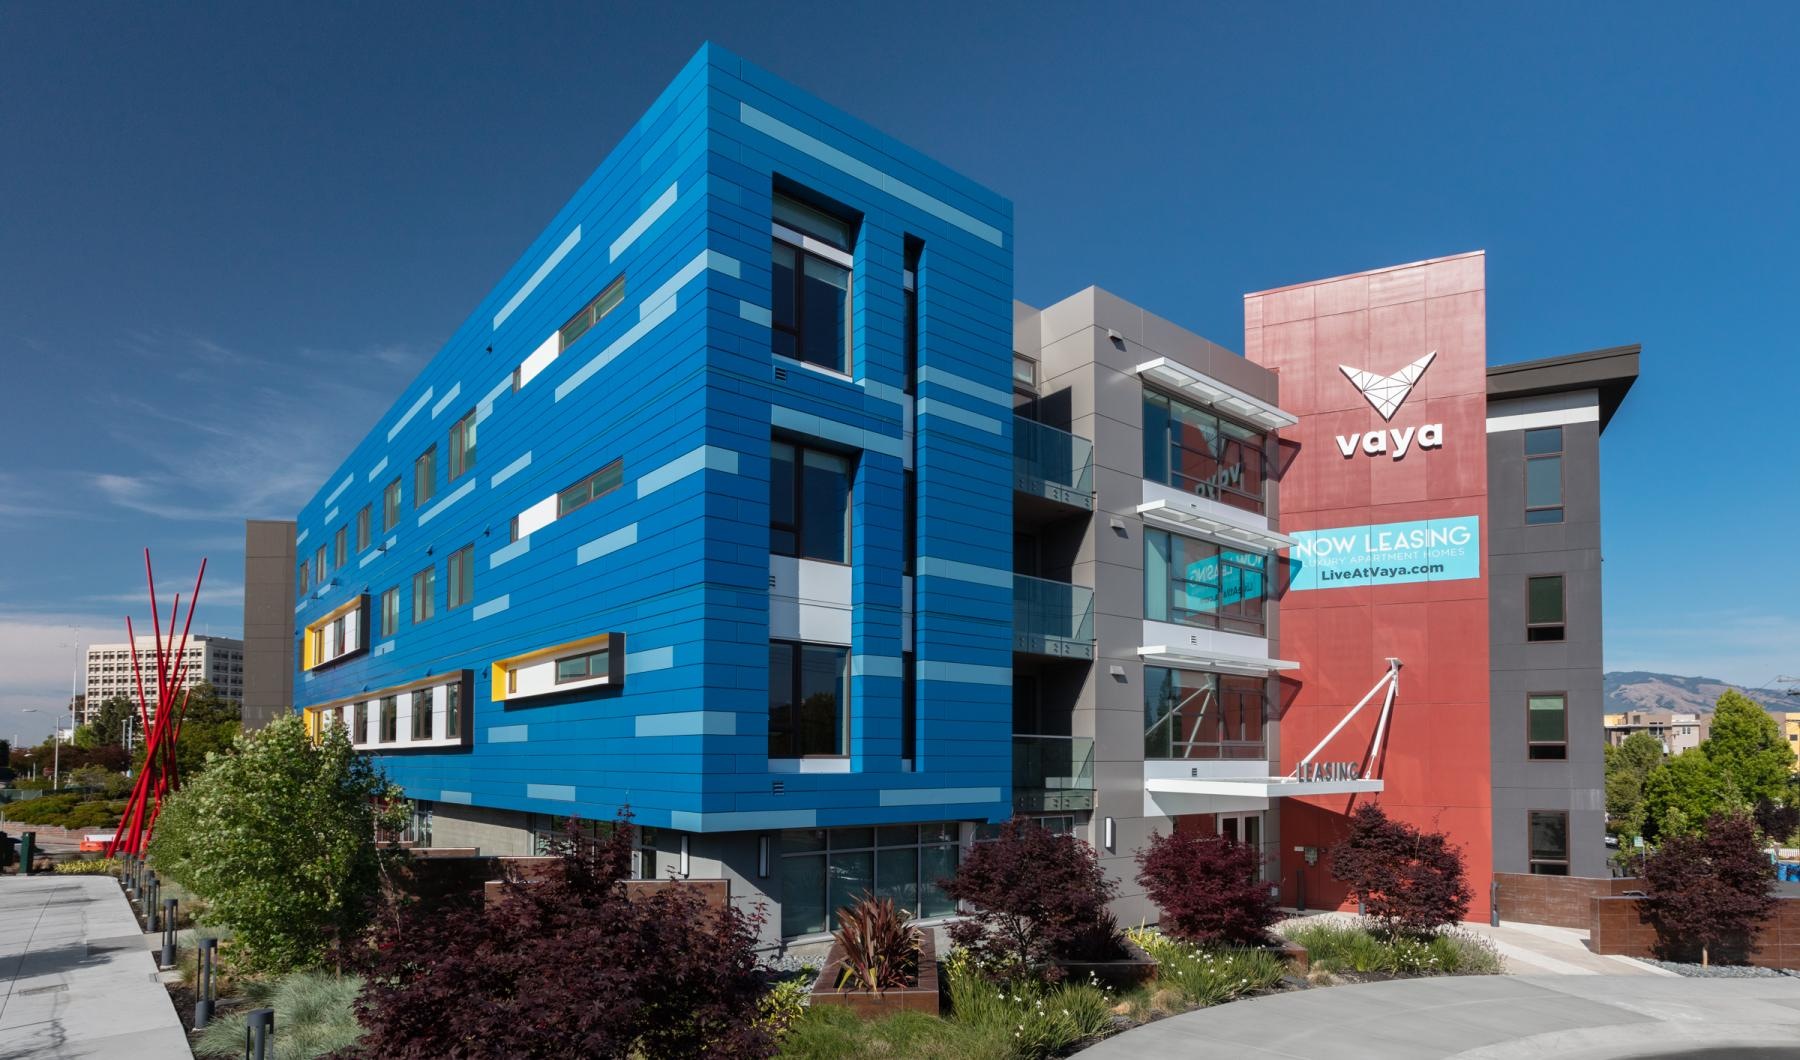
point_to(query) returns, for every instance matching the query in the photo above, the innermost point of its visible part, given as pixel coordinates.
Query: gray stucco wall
(1574, 666)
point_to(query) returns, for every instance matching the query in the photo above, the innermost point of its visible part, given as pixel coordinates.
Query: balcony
(1052, 773)
(1052, 464)
(1052, 618)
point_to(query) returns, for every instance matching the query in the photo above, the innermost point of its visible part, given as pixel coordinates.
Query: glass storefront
(825, 869)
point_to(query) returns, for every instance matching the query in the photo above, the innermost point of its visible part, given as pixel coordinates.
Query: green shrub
(102, 867)
(313, 1017)
(45, 809)
(784, 1004)
(1026, 1019)
(832, 1032)
(1209, 975)
(1344, 946)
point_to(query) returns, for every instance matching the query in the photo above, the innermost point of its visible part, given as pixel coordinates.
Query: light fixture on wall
(684, 857)
(762, 857)
(1110, 838)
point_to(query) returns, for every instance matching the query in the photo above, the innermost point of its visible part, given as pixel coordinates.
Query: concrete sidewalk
(1493, 1017)
(76, 975)
(1539, 949)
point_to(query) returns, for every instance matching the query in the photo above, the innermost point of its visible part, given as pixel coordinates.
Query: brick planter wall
(921, 997)
(1618, 926)
(1558, 900)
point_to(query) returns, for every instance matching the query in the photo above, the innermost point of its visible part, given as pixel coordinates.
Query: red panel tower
(1386, 488)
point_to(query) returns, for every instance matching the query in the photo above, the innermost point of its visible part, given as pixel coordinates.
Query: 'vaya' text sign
(1431, 550)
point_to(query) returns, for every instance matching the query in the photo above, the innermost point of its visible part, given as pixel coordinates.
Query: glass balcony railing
(1053, 773)
(1052, 618)
(1052, 464)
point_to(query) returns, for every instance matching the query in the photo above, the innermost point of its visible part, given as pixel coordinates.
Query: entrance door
(1244, 828)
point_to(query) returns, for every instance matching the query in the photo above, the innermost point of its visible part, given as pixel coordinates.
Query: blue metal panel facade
(680, 385)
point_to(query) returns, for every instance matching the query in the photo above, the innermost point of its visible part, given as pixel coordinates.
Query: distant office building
(215, 660)
(269, 619)
(1677, 731)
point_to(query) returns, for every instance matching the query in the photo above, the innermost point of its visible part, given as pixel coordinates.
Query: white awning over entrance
(1257, 787)
(1191, 658)
(1208, 391)
(1184, 517)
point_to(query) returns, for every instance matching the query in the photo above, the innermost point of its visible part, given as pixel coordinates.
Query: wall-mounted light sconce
(684, 856)
(1110, 838)
(762, 857)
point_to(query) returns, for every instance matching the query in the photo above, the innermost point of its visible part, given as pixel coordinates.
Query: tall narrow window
(390, 506)
(811, 285)
(342, 547)
(1543, 475)
(462, 446)
(362, 529)
(1549, 842)
(909, 283)
(587, 491)
(425, 477)
(424, 594)
(809, 503)
(809, 699)
(453, 711)
(1545, 617)
(319, 565)
(390, 612)
(303, 584)
(1547, 726)
(422, 707)
(359, 733)
(390, 719)
(461, 573)
(909, 710)
(592, 313)
(909, 523)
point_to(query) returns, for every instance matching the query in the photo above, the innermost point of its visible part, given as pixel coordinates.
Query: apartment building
(1677, 731)
(218, 661)
(750, 499)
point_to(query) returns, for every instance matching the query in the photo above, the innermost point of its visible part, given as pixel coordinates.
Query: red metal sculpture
(160, 775)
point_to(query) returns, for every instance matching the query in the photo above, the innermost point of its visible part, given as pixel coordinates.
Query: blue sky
(232, 232)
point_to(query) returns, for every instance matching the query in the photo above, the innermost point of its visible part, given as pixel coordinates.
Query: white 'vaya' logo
(1386, 393)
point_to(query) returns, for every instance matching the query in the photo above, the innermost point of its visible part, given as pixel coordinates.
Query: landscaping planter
(1122, 974)
(922, 996)
(1291, 952)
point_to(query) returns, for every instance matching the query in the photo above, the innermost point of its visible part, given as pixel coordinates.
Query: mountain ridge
(1644, 690)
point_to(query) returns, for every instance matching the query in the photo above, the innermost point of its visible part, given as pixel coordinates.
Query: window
(453, 711)
(909, 709)
(319, 566)
(421, 714)
(1547, 726)
(425, 477)
(588, 490)
(1194, 714)
(1549, 843)
(461, 572)
(390, 612)
(587, 667)
(362, 529)
(1543, 475)
(823, 870)
(462, 446)
(1199, 452)
(1544, 608)
(809, 699)
(390, 506)
(342, 555)
(909, 522)
(592, 313)
(390, 719)
(909, 285)
(1198, 583)
(811, 285)
(809, 503)
(424, 593)
(303, 585)
(360, 734)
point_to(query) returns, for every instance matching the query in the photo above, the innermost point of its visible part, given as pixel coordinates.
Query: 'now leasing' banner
(1432, 550)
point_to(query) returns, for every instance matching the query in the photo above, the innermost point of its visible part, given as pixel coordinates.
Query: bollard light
(203, 1000)
(259, 1029)
(1494, 904)
(168, 940)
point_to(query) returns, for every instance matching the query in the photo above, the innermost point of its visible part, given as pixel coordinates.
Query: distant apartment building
(1677, 731)
(217, 660)
(1790, 728)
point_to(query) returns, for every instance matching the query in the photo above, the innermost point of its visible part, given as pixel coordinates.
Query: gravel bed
(790, 963)
(1720, 971)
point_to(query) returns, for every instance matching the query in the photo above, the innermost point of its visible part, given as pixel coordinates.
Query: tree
(1714, 888)
(568, 964)
(110, 718)
(1747, 749)
(1207, 887)
(1684, 791)
(1409, 881)
(276, 837)
(1627, 766)
(1036, 896)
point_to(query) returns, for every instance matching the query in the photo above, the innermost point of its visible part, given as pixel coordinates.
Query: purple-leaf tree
(1713, 889)
(1033, 896)
(1409, 881)
(1207, 887)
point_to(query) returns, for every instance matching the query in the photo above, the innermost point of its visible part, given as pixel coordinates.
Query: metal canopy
(1185, 518)
(1259, 787)
(1165, 655)
(1227, 399)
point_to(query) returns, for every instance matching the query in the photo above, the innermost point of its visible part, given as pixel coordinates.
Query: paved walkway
(1490, 1017)
(76, 975)
(1540, 949)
